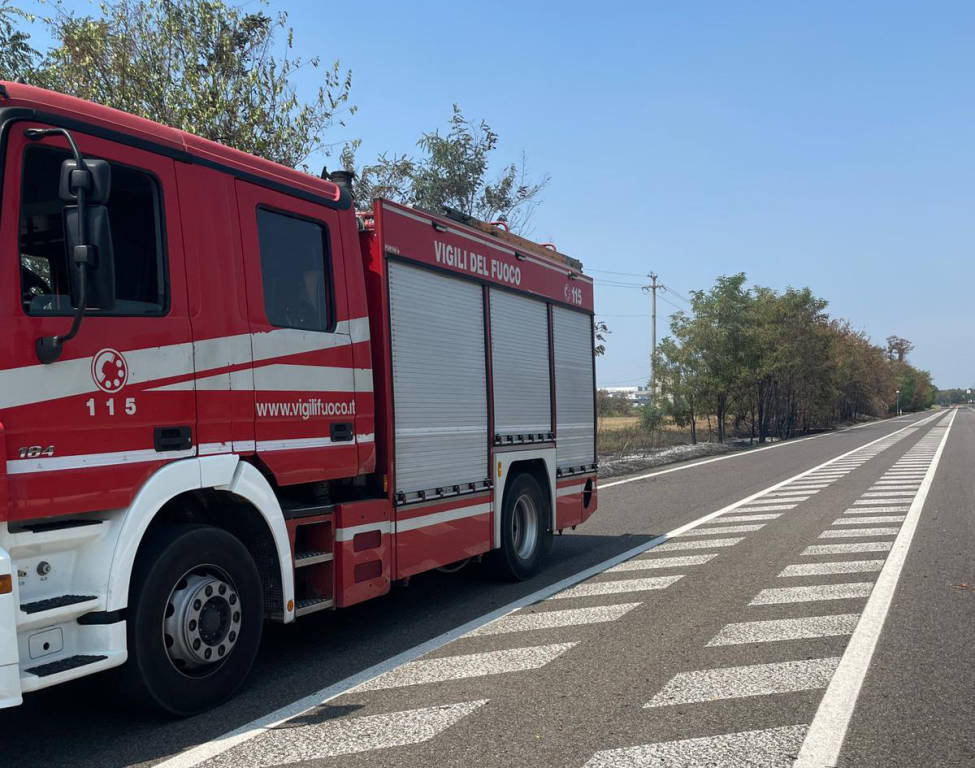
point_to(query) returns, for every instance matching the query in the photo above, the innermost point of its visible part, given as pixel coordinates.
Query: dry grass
(615, 423)
(619, 436)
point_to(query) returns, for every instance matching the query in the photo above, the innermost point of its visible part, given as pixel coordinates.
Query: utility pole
(652, 290)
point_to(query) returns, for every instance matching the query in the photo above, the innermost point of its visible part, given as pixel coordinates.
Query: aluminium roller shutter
(574, 417)
(439, 379)
(519, 364)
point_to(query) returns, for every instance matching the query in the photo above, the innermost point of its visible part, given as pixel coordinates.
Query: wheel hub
(525, 526)
(202, 622)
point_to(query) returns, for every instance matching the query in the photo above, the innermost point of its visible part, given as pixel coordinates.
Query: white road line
(755, 506)
(828, 730)
(786, 629)
(592, 588)
(771, 747)
(573, 617)
(652, 563)
(824, 569)
(786, 494)
(890, 493)
(861, 520)
(874, 510)
(738, 682)
(858, 533)
(604, 486)
(346, 736)
(880, 501)
(219, 744)
(445, 668)
(831, 463)
(706, 544)
(847, 549)
(710, 531)
(748, 518)
(779, 595)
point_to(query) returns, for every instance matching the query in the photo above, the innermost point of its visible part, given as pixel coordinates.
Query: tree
(898, 348)
(612, 403)
(452, 172)
(600, 331)
(774, 363)
(202, 66)
(17, 57)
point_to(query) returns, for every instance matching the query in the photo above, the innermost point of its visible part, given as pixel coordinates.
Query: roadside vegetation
(227, 72)
(754, 364)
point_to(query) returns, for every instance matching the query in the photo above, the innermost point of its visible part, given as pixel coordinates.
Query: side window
(135, 215)
(294, 268)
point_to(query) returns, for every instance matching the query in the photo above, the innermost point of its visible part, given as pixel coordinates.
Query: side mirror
(87, 235)
(96, 256)
(95, 179)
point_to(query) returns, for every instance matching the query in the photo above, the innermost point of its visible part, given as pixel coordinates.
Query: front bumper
(10, 695)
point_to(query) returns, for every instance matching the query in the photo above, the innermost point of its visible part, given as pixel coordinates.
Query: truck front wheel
(196, 611)
(526, 530)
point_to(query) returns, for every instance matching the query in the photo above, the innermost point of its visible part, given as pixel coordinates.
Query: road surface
(811, 603)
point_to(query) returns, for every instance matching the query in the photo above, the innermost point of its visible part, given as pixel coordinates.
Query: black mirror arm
(49, 348)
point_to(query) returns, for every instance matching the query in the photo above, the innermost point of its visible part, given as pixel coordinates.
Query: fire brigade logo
(109, 370)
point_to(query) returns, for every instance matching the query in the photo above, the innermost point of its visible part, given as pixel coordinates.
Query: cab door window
(295, 271)
(135, 215)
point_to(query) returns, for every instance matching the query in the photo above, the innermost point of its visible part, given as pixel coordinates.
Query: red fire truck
(226, 397)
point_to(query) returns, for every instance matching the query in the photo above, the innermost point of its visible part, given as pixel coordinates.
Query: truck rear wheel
(196, 612)
(526, 530)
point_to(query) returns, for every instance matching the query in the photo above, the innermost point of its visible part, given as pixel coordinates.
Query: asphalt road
(821, 610)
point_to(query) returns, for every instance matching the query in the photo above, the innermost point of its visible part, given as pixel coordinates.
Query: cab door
(304, 379)
(85, 432)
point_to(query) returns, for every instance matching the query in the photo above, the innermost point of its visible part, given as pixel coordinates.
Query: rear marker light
(6, 584)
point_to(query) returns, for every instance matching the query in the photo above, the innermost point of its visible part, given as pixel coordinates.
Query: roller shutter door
(519, 365)
(439, 380)
(572, 332)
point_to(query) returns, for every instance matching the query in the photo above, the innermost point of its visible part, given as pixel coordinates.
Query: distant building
(637, 395)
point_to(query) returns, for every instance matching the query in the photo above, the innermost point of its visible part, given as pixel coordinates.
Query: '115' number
(110, 406)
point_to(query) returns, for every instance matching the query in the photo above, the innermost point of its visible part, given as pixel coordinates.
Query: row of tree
(771, 364)
(210, 68)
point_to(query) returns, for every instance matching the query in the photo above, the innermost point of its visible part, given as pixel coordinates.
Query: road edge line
(753, 451)
(824, 740)
(195, 755)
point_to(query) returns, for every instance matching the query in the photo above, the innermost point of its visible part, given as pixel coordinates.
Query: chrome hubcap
(202, 620)
(525, 526)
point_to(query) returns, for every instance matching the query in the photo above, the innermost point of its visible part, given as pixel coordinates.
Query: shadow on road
(93, 728)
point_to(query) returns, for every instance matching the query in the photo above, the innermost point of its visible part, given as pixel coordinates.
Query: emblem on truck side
(109, 370)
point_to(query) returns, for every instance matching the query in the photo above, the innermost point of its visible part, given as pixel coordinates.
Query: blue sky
(828, 144)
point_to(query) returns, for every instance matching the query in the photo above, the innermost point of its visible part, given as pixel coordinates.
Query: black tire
(172, 563)
(518, 558)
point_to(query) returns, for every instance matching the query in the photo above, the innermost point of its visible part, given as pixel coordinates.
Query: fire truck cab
(226, 397)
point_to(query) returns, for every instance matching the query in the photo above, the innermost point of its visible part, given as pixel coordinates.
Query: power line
(601, 281)
(611, 272)
(679, 309)
(678, 295)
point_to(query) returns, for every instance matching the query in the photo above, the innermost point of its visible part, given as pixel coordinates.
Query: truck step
(311, 558)
(55, 602)
(292, 509)
(311, 605)
(63, 665)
